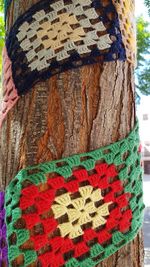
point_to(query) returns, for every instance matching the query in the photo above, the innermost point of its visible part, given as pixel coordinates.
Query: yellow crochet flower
(80, 211)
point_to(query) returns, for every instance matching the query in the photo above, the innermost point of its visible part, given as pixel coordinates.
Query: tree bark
(73, 112)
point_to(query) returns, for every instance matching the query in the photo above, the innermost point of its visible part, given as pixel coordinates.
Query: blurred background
(142, 82)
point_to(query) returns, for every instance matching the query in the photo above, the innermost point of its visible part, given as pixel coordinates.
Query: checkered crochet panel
(126, 9)
(3, 242)
(54, 36)
(77, 211)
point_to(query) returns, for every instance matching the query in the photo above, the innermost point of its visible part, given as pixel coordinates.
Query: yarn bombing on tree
(76, 211)
(125, 10)
(54, 36)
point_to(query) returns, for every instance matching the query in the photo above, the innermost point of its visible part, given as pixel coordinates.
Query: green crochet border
(111, 154)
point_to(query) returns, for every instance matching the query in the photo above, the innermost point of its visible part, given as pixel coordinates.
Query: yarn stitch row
(3, 242)
(126, 11)
(54, 36)
(76, 211)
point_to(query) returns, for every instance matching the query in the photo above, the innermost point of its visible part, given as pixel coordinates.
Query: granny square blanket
(76, 211)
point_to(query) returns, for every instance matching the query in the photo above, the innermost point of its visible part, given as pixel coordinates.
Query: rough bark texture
(77, 111)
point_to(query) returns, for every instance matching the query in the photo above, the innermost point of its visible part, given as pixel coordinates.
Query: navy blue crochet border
(27, 78)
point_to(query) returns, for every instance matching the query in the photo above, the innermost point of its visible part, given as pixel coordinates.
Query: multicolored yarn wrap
(76, 211)
(55, 36)
(3, 242)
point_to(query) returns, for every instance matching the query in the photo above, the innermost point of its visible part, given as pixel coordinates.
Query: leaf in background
(147, 3)
(143, 59)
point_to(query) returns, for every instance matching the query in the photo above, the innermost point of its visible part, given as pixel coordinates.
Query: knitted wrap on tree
(76, 211)
(125, 10)
(3, 242)
(53, 37)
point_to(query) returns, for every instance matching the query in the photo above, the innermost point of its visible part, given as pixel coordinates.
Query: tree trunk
(73, 112)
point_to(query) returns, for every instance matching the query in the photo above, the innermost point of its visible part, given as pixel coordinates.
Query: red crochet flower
(73, 212)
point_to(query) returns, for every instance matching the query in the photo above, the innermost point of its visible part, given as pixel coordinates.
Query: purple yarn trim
(3, 241)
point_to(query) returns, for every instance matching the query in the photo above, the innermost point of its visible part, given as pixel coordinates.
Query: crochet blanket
(55, 36)
(76, 211)
(125, 10)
